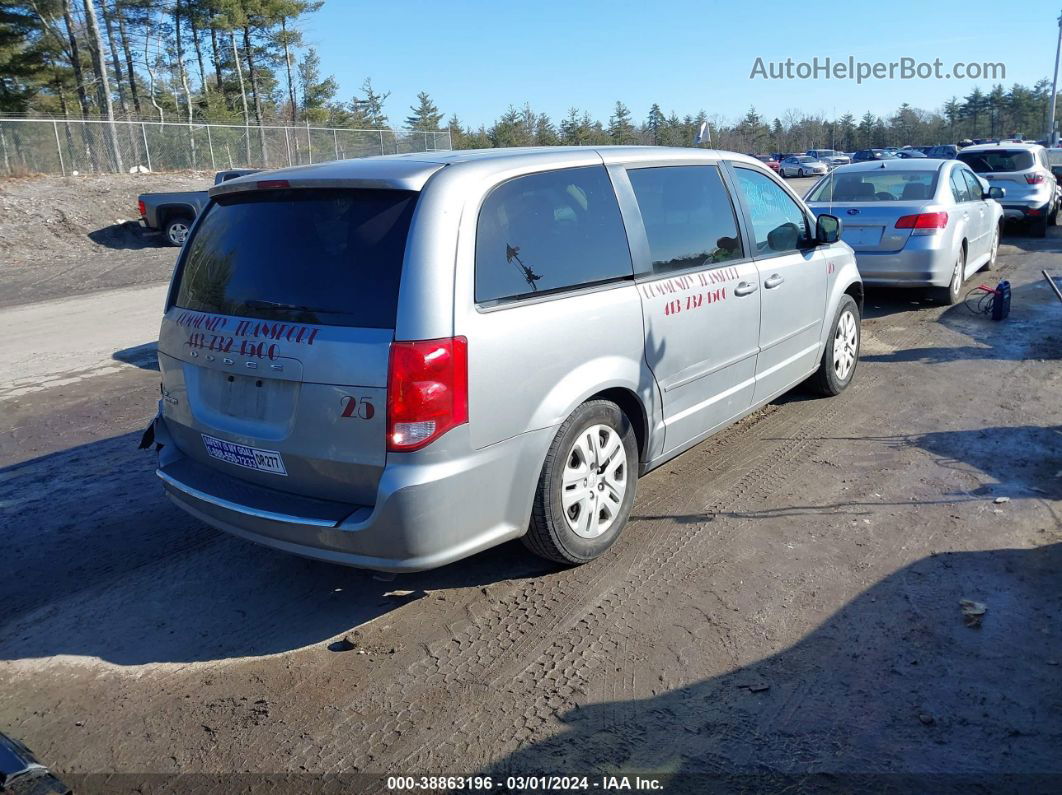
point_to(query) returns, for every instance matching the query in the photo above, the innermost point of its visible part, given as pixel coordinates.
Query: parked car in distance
(907, 154)
(173, 213)
(914, 223)
(829, 156)
(943, 152)
(802, 166)
(871, 154)
(396, 362)
(768, 161)
(1024, 171)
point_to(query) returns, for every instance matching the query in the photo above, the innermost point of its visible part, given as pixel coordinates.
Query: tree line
(245, 62)
(997, 113)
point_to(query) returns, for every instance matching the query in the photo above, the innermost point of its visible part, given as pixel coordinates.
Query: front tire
(587, 486)
(839, 360)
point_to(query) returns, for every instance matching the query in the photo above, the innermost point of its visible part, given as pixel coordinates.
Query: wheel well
(631, 406)
(855, 289)
(167, 213)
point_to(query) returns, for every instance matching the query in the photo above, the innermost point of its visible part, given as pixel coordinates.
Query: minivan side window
(688, 215)
(778, 222)
(549, 231)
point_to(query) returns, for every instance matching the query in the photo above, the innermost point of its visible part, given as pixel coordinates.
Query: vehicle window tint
(973, 185)
(877, 185)
(549, 231)
(688, 216)
(998, 160)
(958, 187)
(778, 222)
(332, 257)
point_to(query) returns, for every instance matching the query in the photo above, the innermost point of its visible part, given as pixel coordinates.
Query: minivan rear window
(327, 256)
(998, 160)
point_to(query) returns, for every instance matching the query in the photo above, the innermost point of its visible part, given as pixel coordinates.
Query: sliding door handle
(773, 281)
(745, 288)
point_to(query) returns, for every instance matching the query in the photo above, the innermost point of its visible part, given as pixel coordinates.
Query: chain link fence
(61, 146)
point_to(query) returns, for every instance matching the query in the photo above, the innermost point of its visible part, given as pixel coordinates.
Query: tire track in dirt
(557, 642)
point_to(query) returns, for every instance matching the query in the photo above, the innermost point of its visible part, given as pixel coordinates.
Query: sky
(476, 58)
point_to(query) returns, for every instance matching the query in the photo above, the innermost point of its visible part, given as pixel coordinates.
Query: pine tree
(425, 115)
(620, 129)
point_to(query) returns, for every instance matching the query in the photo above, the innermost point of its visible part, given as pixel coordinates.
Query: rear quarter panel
(531, 362)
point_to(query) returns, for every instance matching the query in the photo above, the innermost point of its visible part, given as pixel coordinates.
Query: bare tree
(104, 85)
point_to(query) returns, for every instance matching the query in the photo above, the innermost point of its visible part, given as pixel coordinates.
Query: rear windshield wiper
(280, 306)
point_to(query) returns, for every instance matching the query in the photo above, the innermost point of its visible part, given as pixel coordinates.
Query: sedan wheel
(950, 294)
(992, 252)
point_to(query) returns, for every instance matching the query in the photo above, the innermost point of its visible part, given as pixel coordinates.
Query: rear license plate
(862, 236)
(243, 456)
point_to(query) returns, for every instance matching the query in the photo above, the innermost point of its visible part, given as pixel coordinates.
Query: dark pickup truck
(173, 213)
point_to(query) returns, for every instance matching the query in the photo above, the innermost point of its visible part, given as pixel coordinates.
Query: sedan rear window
(998, 160)
(876, 186)
(332, 257)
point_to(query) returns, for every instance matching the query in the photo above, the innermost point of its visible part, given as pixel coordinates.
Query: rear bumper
(911, 267)
(430, 509)
(1015, 210)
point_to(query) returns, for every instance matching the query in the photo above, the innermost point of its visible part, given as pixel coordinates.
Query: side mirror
(827, 229)
(995, 193)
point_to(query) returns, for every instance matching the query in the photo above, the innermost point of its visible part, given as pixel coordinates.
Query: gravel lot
(784, 608)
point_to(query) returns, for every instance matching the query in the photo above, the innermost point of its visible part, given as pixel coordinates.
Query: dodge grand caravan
(396, 362)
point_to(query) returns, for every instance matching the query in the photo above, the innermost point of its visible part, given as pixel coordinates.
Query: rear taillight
(140, 206)
(427, 391)
(922, 221)
(1034, 179)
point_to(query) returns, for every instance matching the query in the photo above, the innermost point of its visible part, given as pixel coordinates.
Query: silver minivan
(396, 362)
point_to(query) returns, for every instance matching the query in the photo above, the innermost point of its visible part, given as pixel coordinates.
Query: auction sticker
(243, 456)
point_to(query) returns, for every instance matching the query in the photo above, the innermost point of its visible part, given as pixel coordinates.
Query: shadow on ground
(126, 235)
(100, 564)
(145, 356)
(893, 693)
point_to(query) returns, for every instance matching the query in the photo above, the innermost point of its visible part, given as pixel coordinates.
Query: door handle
(745, 288)
(773, 281)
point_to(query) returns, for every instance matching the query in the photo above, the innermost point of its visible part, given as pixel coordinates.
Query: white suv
(1023, 171)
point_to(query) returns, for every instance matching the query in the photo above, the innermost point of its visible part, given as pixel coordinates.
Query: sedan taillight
(923, 221)
(427, 391)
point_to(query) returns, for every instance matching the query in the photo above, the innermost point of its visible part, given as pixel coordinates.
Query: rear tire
(176, 230)
(585, 491)
(993, 252)
(1039, 227)
(950, 295)
(839, 360)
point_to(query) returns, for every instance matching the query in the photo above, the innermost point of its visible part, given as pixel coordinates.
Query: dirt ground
(71, 235)
(782, 612)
